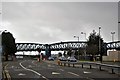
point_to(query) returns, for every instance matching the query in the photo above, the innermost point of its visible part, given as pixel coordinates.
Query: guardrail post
(82, 65)
(113, 71)
(90, 66)
(100, 68)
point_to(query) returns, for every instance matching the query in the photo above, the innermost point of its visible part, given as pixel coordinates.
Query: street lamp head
(74, 36)
(112, 32)
(82, 33)
(5, 30)
(99, 27)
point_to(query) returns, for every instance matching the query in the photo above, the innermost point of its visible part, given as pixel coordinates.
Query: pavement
(49, 70)
(0, 70)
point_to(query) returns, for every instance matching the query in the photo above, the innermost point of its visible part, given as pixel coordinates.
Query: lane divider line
(32, 71)
(73, 73)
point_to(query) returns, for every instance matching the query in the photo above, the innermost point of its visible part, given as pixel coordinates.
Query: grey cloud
(51, 22)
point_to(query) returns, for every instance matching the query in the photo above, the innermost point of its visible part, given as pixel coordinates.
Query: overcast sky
(50, 22)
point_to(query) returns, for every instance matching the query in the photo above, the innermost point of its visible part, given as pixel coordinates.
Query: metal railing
(91, 64)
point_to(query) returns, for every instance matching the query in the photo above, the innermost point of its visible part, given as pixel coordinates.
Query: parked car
(62, 58)
(72, 59)
(51, 59)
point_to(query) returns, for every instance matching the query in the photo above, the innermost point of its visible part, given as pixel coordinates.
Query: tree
(59, 54)
(69, 53)
(78, 53)
(8, 43)
(93, 44)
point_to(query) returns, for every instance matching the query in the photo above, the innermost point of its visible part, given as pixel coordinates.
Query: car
(72, 59)
(62, 58)
(51, 59)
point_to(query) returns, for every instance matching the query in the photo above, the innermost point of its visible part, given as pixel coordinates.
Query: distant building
(113, 56)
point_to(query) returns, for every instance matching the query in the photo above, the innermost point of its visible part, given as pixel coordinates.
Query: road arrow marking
(21, 74)
(55, 73)
(85, 72)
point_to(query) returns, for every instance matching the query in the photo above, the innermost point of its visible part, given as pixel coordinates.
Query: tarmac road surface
(34, 70)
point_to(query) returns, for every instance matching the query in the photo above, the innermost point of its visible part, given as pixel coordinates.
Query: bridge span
(74, 45)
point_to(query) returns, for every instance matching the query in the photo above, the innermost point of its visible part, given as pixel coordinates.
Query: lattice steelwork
(29, 46)
(62, 46)
(67, 45)
(113, 45)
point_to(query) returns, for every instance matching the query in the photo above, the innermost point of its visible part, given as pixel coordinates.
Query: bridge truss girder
(74, 45)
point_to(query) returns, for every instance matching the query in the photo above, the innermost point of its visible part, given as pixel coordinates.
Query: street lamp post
(112, 33)
(85, 46)
(78, 47)
(84, 34)
(77, 37)
(100, 46)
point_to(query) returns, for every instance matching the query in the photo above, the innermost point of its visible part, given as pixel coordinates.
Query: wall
(113, 56)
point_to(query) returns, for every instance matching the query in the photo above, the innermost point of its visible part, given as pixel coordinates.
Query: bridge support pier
(47, 51)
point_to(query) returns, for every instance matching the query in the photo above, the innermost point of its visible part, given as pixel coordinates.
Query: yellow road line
(7, 72)
(8, 75)
(3, 73)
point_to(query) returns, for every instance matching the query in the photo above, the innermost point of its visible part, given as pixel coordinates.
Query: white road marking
(33, 62)
(21, 74)
(55, 73)
(85, 72)
(50, 65)
(29, 66)
(73, 73)
(12, 66)
(49, 68)
(61, 69)
(89, 78)
(32, 71)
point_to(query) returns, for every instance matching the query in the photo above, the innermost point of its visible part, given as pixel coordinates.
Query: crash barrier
(91, 64)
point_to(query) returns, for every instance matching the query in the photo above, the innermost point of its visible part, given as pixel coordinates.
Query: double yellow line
(6, 74)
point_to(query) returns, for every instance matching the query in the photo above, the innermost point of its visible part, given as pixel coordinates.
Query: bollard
(68, 65)
(64, 64)
(73, 65)
(61, 64)
(38, 59)
(58, 62)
